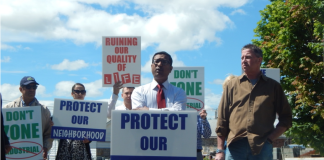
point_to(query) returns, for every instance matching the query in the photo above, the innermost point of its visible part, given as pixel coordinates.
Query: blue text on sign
(263, 71)
(80, 106)
(145, 121)
(154, 143)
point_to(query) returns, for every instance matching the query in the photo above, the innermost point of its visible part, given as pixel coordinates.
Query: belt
(198, 150)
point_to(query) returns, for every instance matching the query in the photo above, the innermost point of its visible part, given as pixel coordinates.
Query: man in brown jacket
(247, 112)
(28, 86)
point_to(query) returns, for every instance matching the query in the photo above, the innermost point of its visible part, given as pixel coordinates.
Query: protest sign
(121, 61)
(158, 135)
(79, 119)
(191, 80)
(23, 126)
(273, 73)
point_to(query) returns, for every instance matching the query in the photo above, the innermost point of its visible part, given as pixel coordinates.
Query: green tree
(290, 34)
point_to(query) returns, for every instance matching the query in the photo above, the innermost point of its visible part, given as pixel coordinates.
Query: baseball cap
(27, 80)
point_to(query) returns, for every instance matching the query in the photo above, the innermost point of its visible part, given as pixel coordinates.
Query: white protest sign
(158, 135)
(23, 127)
(273, 73)
(79, 119)
(191, 80)
(121, 60)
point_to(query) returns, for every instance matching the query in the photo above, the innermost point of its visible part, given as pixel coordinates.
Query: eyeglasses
(31, 86)
(163, 61)
(79, 91)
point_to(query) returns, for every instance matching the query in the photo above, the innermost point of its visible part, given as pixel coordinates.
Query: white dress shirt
(111, 104)
(121, 107)
(175, 98)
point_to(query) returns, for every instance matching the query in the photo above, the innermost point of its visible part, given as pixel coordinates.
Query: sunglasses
(79, 91)
(163, 61)
(31, 86)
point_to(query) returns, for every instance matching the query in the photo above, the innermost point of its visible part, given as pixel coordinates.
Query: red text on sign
(121, 67)
(107, 78)
(121, 41)
(116, 77)
(121, 59)
(136, 78)
(121, 50)
(125, 78)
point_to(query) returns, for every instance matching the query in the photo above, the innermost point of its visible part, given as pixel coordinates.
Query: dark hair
(255, 49)
(126, 87)
(80, 84)
(166, 54)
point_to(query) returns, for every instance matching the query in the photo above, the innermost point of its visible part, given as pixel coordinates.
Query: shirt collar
(154, 84)
(24, 104)
(243, 77)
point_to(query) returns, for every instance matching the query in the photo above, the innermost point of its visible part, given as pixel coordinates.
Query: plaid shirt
(203, 129)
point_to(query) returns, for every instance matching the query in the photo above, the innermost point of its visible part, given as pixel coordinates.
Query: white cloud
(145, 80)
(96, 64)
(7, 47)
(13, 71)
(118, 103)
(84, 78)
(41, 91)
(99, 72)
(12, 48)
(147, 66)
(217, 81)
(5, 59)
(63, 88)
(211, 99)
(9, 92)
(171, 25)
(94, 89)
(48, 104)
(239, 11)
(70, 66)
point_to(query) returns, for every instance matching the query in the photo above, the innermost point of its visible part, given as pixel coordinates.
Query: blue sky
(59, 42)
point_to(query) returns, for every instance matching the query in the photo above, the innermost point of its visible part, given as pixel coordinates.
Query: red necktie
(160, 97)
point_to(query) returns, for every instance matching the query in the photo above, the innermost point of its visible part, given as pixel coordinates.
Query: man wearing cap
(28, 86)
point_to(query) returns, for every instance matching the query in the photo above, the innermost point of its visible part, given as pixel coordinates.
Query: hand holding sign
(203, 114)
(8, 148)
(142, 108)
(45, 153)
(117, 86)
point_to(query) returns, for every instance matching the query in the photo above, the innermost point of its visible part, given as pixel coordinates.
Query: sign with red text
(23, 126)
(191, 80)
(121, 60)
(153, 135)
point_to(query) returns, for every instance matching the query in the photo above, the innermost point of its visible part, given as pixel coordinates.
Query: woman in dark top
(74, 149)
